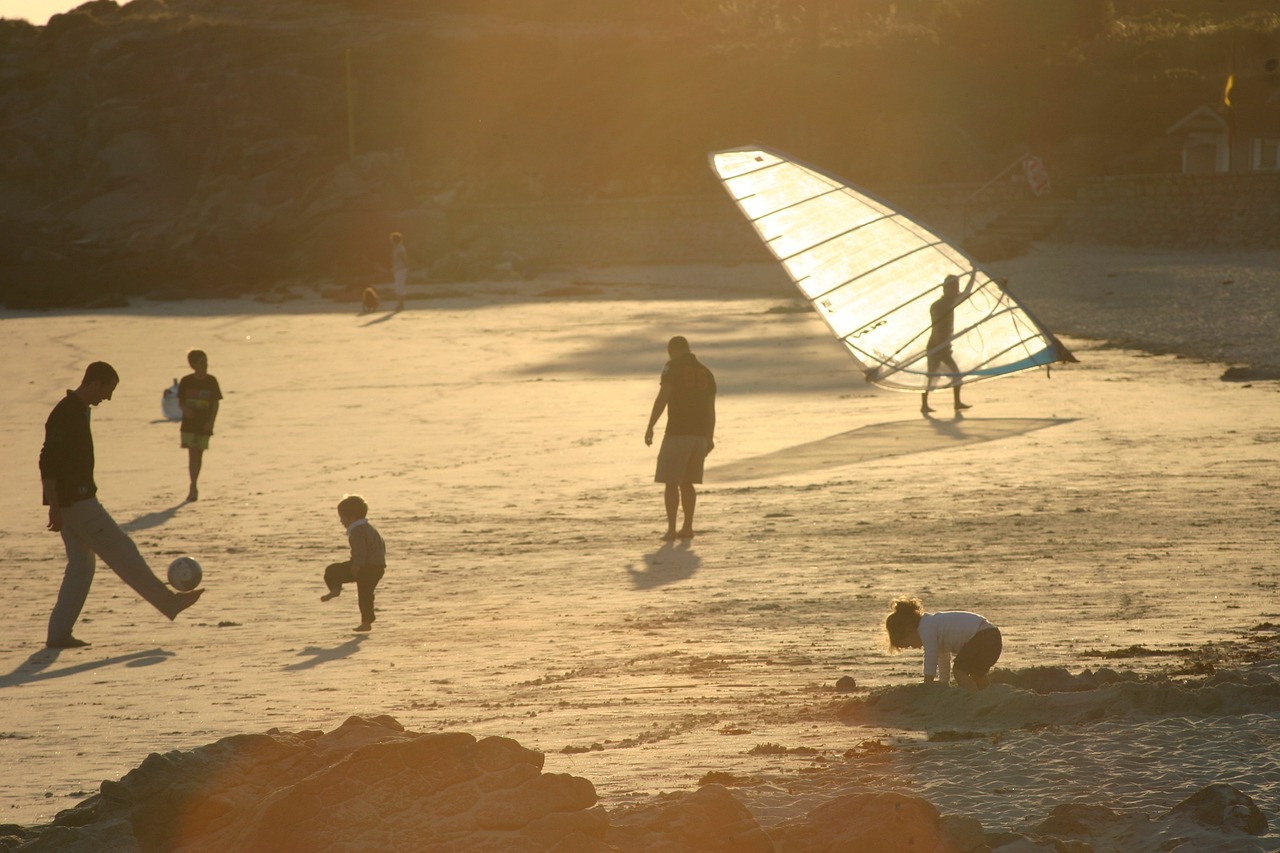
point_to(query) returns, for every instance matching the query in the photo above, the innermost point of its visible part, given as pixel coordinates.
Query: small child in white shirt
(974, 641)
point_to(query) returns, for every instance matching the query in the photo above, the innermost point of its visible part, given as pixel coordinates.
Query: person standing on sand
(687, 391)
(942, 318)
(198, 395)
(66, 474)
(399, 268)
(975, 642)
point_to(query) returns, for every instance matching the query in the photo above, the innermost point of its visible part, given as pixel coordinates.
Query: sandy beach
(1115, 518)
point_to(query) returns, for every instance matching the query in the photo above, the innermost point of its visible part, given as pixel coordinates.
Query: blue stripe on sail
(1048, 355)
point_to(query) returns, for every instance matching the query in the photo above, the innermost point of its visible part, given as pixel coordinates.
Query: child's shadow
(673, 562)
(319, 655)
(384, 318)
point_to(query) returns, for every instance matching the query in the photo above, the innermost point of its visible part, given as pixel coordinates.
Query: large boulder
(709, 819)
(883, 822)
(1222, 807)
(367, 785)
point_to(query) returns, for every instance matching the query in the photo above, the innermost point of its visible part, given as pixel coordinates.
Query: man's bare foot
(925, 409)
(193, 495)
(181, 601)
(960, 406)
(362, 628)
(685, 533)
(330, 595)
(668, 536)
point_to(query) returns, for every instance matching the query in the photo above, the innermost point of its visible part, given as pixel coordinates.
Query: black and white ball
(185, 574)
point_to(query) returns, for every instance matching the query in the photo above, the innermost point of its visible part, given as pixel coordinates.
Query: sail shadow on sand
(878, 441)
(36, 667)
(672, 563)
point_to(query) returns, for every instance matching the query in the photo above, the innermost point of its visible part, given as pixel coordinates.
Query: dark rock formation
(709, 819)
(368, 784)
(884, 822)
(1222, 807)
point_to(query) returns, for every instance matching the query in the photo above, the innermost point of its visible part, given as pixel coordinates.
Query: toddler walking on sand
(974, 641)
(368, 559)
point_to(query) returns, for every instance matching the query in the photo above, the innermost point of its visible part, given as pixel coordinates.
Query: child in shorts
(198, 395)
(974, 641)
(368, 559)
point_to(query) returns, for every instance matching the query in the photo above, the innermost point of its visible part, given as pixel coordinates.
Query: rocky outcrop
(369, 784)
(884, 822)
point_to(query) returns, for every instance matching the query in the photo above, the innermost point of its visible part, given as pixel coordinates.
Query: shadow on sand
(672, 563)
(878, 441)
(384, 318)
(320, 655)
(36, 667)
(151, 519)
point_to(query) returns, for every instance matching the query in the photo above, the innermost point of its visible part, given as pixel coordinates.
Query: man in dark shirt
(687, 391)
(66, 472)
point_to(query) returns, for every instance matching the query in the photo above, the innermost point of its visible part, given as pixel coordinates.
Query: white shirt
(943, 634)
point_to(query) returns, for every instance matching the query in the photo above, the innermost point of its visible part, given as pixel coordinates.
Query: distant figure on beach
(687, 390)
(368, 559)
(399, 268)
(198, 394)
(974, 641)
(942, 317)
(66, 474)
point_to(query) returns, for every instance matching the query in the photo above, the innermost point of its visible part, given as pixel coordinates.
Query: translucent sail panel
(873, 274)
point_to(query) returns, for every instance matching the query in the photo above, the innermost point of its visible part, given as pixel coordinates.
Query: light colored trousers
(88, 529)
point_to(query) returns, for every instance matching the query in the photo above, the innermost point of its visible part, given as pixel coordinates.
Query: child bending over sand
(974, 641)
(368, 559)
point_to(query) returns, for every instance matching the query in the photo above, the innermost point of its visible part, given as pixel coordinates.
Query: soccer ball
(185, 574)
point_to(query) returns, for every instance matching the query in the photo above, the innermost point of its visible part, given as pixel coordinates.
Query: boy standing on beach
(198, 394)
(66, 472)
(368, 559)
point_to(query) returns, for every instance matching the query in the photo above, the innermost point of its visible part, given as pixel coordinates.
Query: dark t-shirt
(200, 394)
(67, 455)
(691, 394)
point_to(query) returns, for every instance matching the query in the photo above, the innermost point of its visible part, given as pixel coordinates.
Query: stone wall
(1234, 211)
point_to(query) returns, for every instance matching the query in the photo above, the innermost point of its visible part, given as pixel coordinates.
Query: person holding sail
(942, 316)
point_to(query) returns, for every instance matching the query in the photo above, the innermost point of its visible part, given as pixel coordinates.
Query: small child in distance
(368, 559)
(974, 641)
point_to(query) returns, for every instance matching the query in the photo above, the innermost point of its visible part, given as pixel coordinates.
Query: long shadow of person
(384, 318)
(319, 655)
(151, 519)
(672, 563)
(36, 667)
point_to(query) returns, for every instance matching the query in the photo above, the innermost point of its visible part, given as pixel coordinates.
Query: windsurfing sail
(875, 276)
